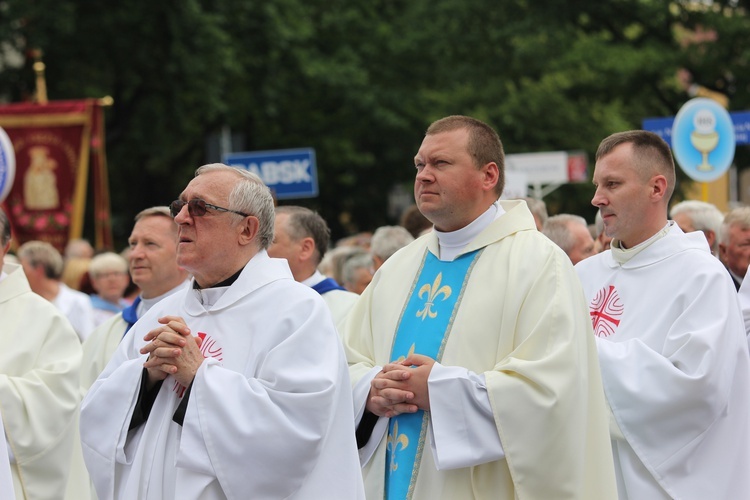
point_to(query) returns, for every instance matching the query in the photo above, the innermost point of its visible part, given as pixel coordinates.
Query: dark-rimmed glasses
(197, 208)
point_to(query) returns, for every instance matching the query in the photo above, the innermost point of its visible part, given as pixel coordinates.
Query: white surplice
(339, 302)
(521, 338)
(269, 412)
(39, 394)
(675, 368)
(76, 306)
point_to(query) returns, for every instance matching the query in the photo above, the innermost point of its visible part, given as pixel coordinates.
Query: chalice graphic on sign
(704, 138)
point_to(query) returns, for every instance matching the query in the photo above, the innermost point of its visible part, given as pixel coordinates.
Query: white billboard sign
(540, 168)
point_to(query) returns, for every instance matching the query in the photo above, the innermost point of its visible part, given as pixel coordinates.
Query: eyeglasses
(197, 208)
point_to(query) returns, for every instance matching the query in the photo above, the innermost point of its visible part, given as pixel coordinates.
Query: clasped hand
(401, 387)
(172, 350)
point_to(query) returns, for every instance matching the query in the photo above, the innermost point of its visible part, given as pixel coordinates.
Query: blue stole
(327, 285)
(129, 314)
(99, 303)
(423, 329)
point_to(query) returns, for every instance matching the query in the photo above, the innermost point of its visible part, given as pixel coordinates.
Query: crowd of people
(479, 349)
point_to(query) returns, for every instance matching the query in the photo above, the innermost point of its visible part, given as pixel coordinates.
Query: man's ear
(249, 230)
(722, 253)
(710, 237)
(658, 187)
(491, 176)
(307, 248)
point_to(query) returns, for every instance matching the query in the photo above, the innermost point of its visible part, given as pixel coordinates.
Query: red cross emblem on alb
(209, 349)
(606, 310)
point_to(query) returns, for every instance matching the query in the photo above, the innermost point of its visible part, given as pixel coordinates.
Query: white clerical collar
(623, 255)
(452, 243)
(3, 275)
(145, 304)
(210, 296)
(313, 280)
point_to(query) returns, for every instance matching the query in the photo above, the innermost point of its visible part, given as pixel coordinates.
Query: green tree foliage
(359, 81)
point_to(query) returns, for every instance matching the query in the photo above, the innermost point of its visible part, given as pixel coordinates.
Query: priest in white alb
(39, 395)
(669, 334)
(234, 388)
(153, 267)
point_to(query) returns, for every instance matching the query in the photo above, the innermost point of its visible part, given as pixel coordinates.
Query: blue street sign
(663, 127)
(7, 165)
(289, 173)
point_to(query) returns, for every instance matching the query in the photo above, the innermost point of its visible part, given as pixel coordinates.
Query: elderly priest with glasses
(234, 388)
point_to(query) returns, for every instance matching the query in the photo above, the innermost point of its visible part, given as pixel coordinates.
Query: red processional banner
(55, 144)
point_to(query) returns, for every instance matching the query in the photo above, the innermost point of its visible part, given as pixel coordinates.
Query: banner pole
(41, 83)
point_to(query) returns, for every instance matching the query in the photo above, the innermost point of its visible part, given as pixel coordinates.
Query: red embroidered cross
(209, 349)
(606, 309)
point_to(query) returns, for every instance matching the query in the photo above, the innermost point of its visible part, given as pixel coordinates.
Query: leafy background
(360, 80)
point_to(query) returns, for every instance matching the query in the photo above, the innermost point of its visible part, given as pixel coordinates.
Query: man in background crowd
(43, 266)
(357, 271)
(571, 233)
(153, 267)
(694, 215)
(734, 243)
(109, 278)
(386, 241)
(301, 236)
(539, 210)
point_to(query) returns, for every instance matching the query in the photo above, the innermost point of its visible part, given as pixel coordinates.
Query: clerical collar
(453, 242)
(313, 280)
(226, 282)
(623, 255)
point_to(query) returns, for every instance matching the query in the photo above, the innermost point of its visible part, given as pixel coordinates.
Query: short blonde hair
(107, 262)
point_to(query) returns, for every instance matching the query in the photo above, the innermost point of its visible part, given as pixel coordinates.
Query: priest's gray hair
(538, 209)
(41, 253)
(704, 216)
(740, 217)
(360, 259)
(387, 240)
(251, 196)
(557, 229)
(305, 223)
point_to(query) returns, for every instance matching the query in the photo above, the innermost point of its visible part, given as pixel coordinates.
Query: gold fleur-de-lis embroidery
(432, 291)
(411, 351)
(394, 439)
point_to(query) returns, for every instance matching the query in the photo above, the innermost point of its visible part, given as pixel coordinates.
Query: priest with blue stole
(471, 353)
